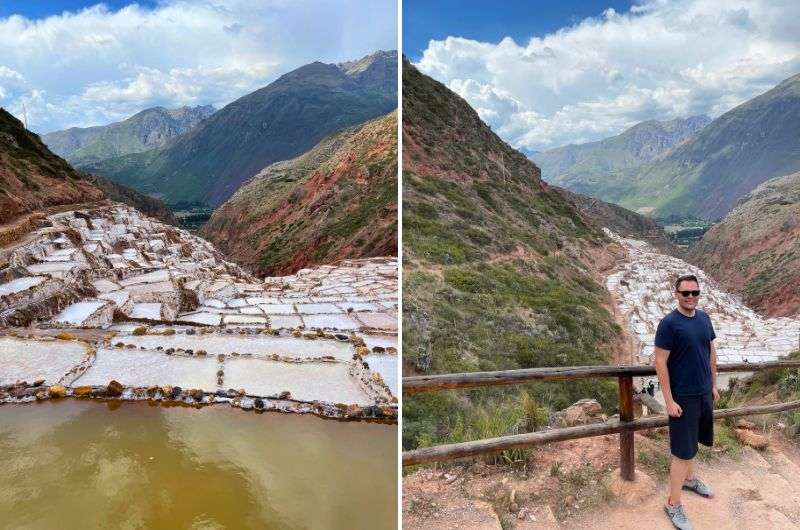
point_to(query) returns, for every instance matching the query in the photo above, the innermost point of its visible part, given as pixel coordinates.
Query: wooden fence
(625, 426)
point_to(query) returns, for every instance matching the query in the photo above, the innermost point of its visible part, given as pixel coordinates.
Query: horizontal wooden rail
(432, 383)
(504, 443)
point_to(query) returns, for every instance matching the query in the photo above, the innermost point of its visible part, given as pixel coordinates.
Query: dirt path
(761, 491)
(755, 490)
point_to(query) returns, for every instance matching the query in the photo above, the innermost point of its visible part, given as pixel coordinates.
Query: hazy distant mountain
(726, 159)
(584, 167)
(278, 122)
(145, 130)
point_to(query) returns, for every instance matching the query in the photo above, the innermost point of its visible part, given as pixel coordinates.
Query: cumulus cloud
(660, 60)
(98, 65)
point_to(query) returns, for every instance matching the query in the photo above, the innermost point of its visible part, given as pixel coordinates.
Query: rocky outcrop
(338, 201)
(583, 412)
(755, 250)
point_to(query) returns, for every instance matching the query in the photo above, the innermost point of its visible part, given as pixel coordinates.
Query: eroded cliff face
(33, 178)
(755, 250)
(337, 201)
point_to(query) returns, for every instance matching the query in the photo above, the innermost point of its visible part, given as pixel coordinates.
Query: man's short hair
(686, 278)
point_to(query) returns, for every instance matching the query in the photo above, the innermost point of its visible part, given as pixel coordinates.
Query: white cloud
(660, 61)
(97, 65)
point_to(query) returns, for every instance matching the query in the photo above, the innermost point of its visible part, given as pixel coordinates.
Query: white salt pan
(337, 321)
(77, 313)
(20, 284)
(148, 311)
(145, 368)
(386, 365)
(31, 360)
(329, 382)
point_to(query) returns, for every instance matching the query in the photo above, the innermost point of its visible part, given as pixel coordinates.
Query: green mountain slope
(278, 122)
(337, 201)
(32, 178)
(706, 175)
(755, 250)
(499, 272)
(148, 129)
(582, 168)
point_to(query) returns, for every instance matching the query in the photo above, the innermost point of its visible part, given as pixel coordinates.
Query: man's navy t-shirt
(688, 340)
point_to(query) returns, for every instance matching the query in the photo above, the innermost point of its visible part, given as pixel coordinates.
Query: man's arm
(673, 409)
(713, 360)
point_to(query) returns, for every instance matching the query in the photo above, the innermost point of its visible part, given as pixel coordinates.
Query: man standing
(686, 364)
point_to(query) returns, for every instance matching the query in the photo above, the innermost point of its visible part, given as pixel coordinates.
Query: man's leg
(690, 470)
(678, 470)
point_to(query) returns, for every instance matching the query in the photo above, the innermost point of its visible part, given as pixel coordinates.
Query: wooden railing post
(626, 454)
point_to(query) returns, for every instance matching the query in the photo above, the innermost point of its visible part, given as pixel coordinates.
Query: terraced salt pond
(305, 381)
(146, 368)
(255, 344)
(171, 320)
(31, 361)
(80, 464)
(643, 288)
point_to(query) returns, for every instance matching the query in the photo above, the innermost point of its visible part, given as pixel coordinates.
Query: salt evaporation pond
(329, 382)
(145, 368)
(257, 345)
(386, 365)
(80, 464)
(24, 360)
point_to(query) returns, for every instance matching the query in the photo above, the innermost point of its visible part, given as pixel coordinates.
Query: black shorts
(696, 424)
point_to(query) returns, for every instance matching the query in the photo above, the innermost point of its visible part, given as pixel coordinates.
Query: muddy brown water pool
(81, 464)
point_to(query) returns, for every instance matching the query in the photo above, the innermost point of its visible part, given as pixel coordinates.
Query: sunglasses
(686, 294)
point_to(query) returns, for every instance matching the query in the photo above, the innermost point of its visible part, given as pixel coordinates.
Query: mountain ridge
(705, 176)
(755, 249)
(500, 272)
(277, 122)
(33, 178)
(582, 167)
(336, 201)
(147, 129)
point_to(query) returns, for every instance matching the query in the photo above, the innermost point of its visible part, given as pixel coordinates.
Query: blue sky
(491, 21)
(78, 63)
(44, 8)
(546, 74)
